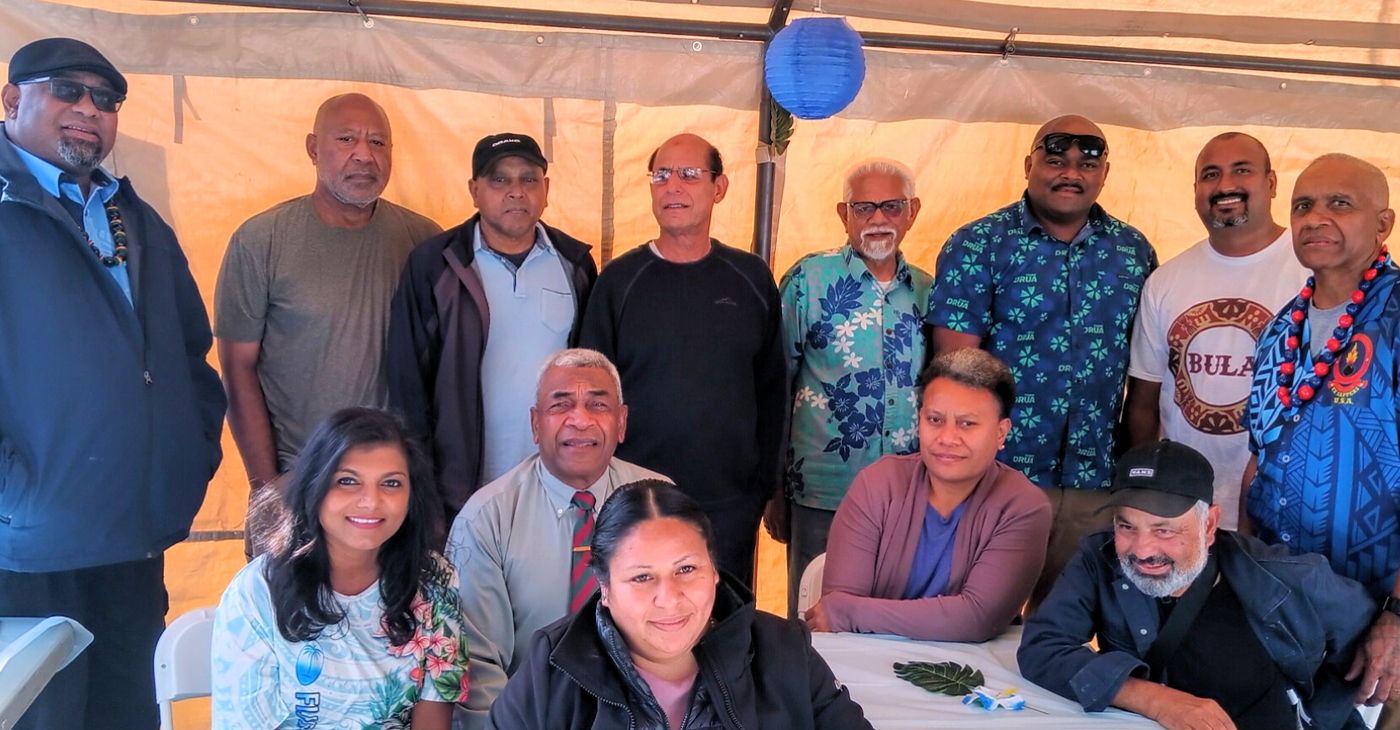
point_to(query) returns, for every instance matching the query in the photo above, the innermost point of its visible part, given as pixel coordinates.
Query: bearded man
(1197, 627)
(854, 345)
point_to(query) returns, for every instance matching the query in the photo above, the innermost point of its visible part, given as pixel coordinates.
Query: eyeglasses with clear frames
(662, 175)
(866, 208)
(69, 91)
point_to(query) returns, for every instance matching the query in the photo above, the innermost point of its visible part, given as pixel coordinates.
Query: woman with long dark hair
(350, 620)
(668, 643)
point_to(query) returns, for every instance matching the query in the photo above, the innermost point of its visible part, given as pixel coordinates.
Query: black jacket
(756, 671)
(1308, 618)
(438, 324)
(110, 414)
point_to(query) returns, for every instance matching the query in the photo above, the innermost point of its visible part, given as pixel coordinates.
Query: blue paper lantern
(814, 67)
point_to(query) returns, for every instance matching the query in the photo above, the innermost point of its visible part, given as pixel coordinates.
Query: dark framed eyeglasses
(69, 91)
(866, 208)
(661, 175)
(1058, 143)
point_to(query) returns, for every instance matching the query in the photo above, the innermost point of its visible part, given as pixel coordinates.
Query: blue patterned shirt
(1059, 315)
(1329, 471)
(854, 352)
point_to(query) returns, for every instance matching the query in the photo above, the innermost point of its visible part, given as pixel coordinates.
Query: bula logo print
(1227, 313)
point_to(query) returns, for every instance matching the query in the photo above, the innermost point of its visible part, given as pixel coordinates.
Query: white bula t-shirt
(1200, 317)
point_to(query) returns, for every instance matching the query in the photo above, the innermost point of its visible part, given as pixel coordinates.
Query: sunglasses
(69, 91)
(866, 208)
(1058, 143)
(661, 175)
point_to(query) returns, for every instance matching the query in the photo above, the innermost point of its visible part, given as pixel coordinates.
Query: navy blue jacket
(1308, 618)
(110, 414)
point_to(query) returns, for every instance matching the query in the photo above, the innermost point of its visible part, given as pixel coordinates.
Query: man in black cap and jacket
(1197, 627)
(110, 415)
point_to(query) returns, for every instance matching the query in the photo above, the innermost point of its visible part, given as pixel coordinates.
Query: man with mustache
(479, 309)
(302, 301)
(1050, 285)
(1202, 312)
(1196, 627)
(110, 414)
(851, 319)
(1323, 416)
(520, 542)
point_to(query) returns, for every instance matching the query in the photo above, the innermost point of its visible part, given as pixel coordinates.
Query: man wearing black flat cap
(478, 311)
(1197, 627)
(110, 415)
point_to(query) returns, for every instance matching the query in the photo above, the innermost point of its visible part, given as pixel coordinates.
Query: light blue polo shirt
(57, 183)
(532, 312)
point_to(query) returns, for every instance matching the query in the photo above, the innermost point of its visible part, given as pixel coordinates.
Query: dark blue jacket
(110, 414)
(1308, 618)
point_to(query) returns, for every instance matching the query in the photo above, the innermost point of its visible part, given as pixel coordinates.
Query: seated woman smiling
(669, 644)
(945, 544)
(351, 620)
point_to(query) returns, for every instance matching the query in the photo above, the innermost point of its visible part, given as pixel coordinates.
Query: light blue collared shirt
(59, 184)
(532, 312)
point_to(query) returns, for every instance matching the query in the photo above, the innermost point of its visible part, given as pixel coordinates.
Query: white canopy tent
(222, 95)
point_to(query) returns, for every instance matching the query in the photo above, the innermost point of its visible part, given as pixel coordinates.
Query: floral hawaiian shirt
(348, 678)
(1059, 315)
(854, 351)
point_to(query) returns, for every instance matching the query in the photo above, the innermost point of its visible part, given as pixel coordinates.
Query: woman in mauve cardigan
(998, 552)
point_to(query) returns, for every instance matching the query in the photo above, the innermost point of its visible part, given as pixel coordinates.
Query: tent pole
(767, 166)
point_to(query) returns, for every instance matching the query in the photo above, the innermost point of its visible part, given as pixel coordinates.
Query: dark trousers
(111, 685)
(736, 540)
(810, 526)
(1074, 514)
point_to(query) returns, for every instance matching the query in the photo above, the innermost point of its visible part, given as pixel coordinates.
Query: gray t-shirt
(317, 298)
(1321, 323)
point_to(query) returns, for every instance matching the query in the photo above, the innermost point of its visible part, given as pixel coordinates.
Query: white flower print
(819, 401)
(847, 329)
(852, 360)
(805, 394)
(844, 345)
(901, 438)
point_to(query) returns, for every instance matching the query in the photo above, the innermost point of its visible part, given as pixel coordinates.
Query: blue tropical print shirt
(854, 352)
(1329, 470)
(1059, 315)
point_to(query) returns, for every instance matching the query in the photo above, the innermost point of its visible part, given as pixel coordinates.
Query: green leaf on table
(949, 678)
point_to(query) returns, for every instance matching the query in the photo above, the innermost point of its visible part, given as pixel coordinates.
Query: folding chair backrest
(809, 590)
(182, 661)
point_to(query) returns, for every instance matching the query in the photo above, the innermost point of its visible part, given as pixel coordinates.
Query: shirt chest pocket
(557, 310)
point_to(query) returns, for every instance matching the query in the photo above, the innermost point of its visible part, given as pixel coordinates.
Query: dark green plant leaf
(949, 678)
(780, 128)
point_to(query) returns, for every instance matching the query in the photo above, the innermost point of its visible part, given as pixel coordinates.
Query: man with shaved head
(695, 327)
(1323, 416)
(1203, 312)
(302, 301)
(1050, 285)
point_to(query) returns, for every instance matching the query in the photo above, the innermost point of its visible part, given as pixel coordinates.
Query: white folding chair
(809, 589)
(182, 661)
(32, 650)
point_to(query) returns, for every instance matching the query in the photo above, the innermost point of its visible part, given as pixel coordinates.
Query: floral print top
(854, 350)
(348, 678)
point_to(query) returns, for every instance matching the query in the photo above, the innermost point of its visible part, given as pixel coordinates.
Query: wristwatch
(1391, 604)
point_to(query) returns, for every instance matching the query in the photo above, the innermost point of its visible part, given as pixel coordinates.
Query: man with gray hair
(1196, 627)
(851, 318)
(521, 542)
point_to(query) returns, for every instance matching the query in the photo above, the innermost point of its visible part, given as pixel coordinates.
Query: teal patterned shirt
(1059, 315)
(854, 352)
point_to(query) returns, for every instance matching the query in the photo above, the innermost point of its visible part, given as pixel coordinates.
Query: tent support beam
(513, 16)
(767, 166)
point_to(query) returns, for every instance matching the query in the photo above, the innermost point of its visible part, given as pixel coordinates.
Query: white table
(864, 663)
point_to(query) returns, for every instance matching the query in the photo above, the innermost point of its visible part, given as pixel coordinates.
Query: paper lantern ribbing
(814, 67)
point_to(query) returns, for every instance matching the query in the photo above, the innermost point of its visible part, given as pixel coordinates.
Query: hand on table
(1189, 712)
(1377, 662)
(816, 618)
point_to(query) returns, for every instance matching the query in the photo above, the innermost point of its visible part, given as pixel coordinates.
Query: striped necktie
(582, 582)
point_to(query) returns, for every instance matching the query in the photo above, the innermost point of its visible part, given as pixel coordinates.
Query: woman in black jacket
(669, 644)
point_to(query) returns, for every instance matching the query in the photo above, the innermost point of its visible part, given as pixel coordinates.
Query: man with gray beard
(851, 318)
(1197, 627)
(302, 302)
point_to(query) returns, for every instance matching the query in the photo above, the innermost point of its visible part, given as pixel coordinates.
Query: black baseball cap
(1164, 478)
(498, 146)
(51, 56)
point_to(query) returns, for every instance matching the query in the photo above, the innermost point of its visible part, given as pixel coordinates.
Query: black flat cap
(56, 55)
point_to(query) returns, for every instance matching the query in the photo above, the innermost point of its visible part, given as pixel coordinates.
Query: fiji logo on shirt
(1349, 369)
